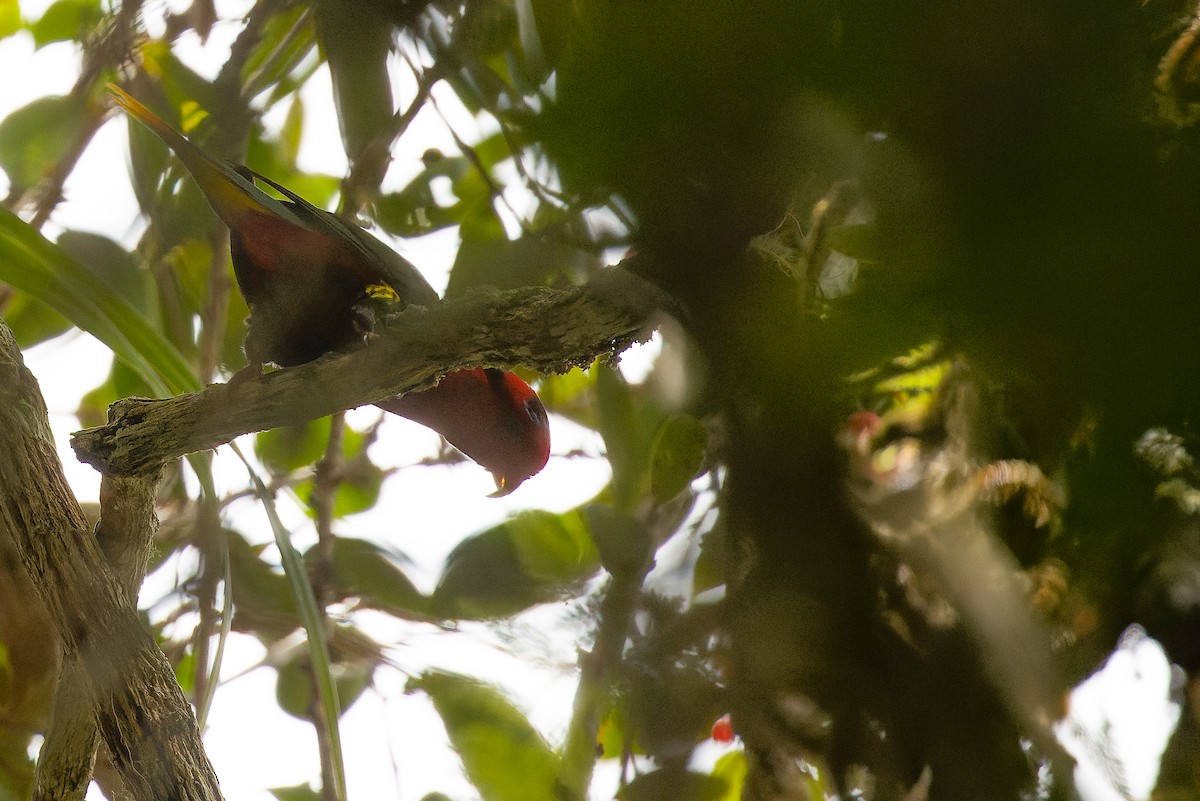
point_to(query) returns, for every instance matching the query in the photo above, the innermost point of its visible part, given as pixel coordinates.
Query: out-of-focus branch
(597, 670)
(940, 530)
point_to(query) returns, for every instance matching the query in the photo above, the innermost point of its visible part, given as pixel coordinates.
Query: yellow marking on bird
(382, 292)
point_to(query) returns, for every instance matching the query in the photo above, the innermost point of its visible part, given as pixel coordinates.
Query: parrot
(308, 275)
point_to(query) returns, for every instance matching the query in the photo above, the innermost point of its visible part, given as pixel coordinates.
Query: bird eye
(536, 411)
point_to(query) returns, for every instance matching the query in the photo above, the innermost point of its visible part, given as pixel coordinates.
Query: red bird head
(490, 415)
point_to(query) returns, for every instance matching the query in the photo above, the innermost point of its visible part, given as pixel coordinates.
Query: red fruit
(722, 730)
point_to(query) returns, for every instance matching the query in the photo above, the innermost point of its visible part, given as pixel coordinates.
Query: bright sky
(394, 744)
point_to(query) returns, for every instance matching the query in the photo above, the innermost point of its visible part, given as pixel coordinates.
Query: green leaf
(16, 780)
(678, 455)
(623, 541)
(415, 210)
(10, 17)
(483, 580)
(187, 93)
(674, 784)
(856, 241)
(185, 672)
(672, 707)
(476, 213)
(352, 679)
(731, 768)
(531, 43)
(289, 448)
(287, 39)
(263, 606)
(358, 490)
(627, 448)
(533, 558)
(357, 42)
(553, 548)
(613, 736)
(537, 258)
(710, 565)
(294, 689)
(113, 265)
(32, 321)
(569, 394)
(553, 20)
(30, 263)
(292, 130)
(367, 571)
(298, 792)
(360, 481)
(504, 756)
(35, 138)
(66, 20)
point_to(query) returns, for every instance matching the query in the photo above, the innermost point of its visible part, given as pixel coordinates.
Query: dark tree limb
(125, 533)
(550, 330)
(140, 711)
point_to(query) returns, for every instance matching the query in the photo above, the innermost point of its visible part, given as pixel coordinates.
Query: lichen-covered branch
(550, 330)
(140, 711)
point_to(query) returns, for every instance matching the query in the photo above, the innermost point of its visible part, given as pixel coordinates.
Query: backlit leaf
(365, 570)
(530, 559)
(36, 137)
(678, 455)
(10, 17)
(289, 448)
(65, 20)
(504, 756)
(31, 263)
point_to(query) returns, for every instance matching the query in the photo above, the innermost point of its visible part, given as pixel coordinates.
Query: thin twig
(230, 76)
(251, 86)
(99, 57)
(597, 670)
(494, 189)
(379, 149)
(327, 477)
